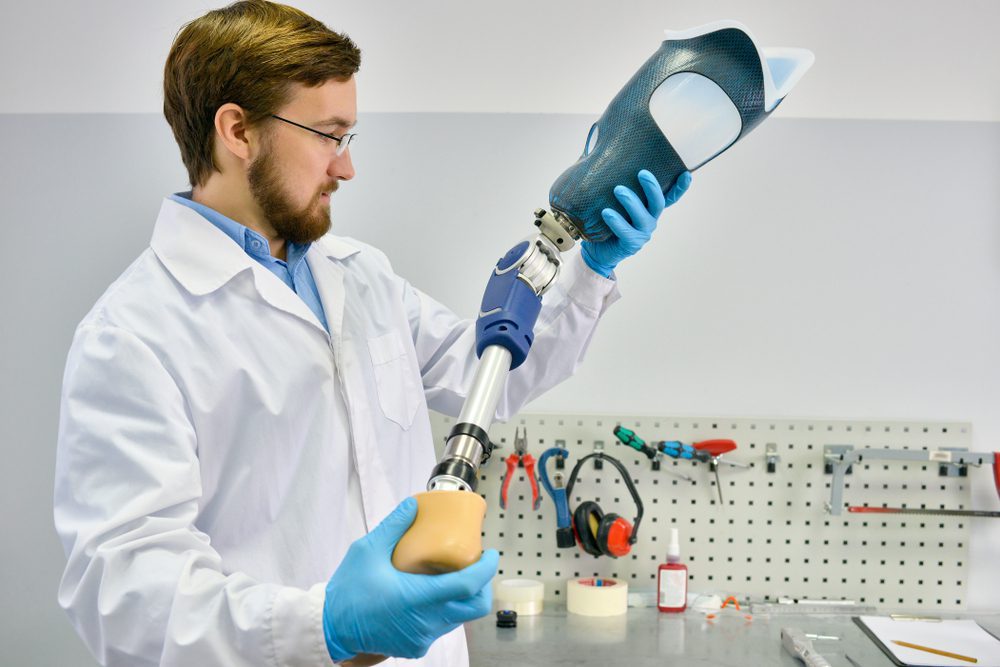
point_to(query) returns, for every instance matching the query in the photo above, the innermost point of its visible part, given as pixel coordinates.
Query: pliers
(520, 458)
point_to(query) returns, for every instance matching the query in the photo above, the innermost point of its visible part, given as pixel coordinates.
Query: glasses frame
(342, 142)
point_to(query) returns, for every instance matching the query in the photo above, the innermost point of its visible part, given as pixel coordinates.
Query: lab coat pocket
(398, 389)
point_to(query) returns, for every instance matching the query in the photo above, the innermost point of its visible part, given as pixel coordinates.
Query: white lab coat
(209, 426)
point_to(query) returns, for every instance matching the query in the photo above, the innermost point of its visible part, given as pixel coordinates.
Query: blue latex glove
(603, 257)
(371, 607)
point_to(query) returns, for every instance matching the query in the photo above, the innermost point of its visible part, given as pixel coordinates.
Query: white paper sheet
(964, 637)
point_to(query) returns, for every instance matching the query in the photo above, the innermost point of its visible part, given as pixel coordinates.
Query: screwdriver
(672, 448)
(629, 437)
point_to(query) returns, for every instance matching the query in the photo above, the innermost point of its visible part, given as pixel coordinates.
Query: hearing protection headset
(601, 534)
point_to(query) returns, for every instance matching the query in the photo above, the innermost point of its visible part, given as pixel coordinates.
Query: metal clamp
(771, 457)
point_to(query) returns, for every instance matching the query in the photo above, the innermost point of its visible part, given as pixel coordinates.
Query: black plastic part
(656, 465)
(560, 462)
(771, 467)
(471, 430)
(457, 468)
(828, 469)
(506, 618)
(564, 538)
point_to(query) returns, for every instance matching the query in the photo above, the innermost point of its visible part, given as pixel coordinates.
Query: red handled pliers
(520, 458)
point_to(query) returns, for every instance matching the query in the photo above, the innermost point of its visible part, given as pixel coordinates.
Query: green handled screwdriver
(628, 437)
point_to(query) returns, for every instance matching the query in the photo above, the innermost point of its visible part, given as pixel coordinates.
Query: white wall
(892, 59)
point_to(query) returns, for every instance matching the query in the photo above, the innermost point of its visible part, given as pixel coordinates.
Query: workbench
(644, 636)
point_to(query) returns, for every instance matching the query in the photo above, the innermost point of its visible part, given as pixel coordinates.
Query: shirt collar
(253, 243)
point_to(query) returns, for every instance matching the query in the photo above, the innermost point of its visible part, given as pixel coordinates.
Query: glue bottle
(672, 579)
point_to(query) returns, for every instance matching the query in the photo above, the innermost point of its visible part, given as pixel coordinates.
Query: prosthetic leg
(446, 534)
(696, 96)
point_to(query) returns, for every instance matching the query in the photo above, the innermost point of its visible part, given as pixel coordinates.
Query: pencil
(946, 654)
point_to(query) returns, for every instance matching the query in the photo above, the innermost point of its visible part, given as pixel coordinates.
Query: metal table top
(644, 636)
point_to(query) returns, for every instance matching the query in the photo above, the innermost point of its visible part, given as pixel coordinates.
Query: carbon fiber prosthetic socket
(628, 139)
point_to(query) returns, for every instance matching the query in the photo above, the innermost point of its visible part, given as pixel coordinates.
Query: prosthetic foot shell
(702, 91)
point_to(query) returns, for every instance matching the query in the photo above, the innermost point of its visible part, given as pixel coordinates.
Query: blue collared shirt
(294, 272)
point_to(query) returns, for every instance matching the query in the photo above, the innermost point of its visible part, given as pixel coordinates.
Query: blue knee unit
(509, 310)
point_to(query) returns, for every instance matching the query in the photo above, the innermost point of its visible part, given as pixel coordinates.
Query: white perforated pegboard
(772, 537)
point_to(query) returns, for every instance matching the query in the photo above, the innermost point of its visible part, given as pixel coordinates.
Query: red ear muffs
(613, 536)
(597, 533)
(601, 534)
(586, 525)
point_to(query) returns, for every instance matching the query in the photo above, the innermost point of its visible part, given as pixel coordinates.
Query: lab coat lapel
(282, 297)
(329, 276)
(203, 259)
(325, 259)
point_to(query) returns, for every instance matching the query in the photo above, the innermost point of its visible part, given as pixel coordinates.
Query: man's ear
(232, 133)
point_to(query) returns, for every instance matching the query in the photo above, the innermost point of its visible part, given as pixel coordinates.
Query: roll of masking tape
(596, 597)
(521, 595)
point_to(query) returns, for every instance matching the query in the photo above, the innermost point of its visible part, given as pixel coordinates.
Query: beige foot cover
(446, 535)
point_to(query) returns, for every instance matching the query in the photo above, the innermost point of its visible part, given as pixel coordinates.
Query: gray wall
(821, 268)
(889, 59)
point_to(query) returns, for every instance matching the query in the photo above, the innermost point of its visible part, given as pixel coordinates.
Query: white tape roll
(521, 595)
(596, 597)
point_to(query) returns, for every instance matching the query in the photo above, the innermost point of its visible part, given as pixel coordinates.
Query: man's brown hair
(248, 53)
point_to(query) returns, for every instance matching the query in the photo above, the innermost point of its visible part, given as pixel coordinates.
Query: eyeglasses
(342, 142)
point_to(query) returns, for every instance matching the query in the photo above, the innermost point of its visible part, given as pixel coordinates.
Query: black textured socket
(564, 538)
(473, 431)
(628, 139)
(457, 468)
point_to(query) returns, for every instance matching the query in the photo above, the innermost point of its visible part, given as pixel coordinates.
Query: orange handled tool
(715, 447)
(520, 458)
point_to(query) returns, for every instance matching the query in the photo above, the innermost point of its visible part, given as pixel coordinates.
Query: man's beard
(294, 226)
